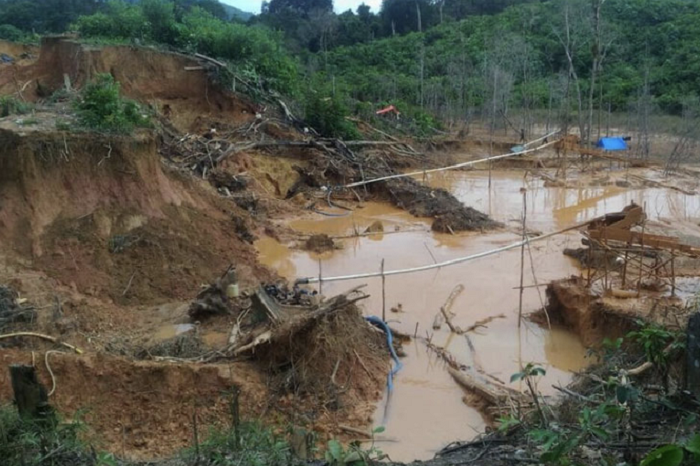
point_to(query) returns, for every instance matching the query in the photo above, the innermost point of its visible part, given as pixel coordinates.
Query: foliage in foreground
(250, 443)
(12, 106)
(25, 443)
(100, 107)
(613, 403)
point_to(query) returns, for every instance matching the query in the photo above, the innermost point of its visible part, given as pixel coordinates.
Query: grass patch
(26, 443)
(251, 444)
(28, 122)
(12, 106)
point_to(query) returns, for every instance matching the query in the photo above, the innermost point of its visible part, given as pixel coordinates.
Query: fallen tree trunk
(494, 394)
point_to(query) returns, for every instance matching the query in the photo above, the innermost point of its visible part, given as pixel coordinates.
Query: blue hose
(376, 321)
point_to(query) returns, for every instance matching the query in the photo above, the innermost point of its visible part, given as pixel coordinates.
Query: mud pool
(426, 409)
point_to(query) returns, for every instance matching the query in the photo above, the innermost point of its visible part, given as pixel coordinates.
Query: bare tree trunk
(420, 23)
(422, 75)
(568, 43)
(595, 66)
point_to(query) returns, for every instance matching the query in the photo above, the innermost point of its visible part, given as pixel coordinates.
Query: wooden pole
(383, 293)
(673, 274)
(692, 376)
(624, 267)
(641, 257)
(522, 258)
(320, 277)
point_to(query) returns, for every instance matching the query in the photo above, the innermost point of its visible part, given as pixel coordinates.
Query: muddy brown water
(426, 411)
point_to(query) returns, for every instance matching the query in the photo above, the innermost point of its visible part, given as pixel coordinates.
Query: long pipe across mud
(459, 165)
(459, 260)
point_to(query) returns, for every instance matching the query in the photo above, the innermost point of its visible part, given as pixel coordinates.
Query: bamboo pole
(522, 258)
(320, 278)
(383, 292)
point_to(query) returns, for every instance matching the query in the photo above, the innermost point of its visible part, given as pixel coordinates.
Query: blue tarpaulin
(612, 144)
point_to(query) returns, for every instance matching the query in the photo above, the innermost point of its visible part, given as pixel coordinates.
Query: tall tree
(403, 16)
(302, 7)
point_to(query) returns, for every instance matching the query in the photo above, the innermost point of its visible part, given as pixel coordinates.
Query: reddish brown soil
(110, 242)
(151, 76)
(141, 409)
(595, 317)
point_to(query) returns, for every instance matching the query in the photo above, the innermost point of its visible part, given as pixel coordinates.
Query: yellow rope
(43, 337)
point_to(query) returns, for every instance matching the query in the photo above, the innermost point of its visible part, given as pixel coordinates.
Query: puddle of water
(426, 411)
(555, 208)
(171, 331)
(425, 395)
(391, 217)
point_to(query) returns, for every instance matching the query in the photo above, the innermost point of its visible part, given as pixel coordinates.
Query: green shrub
(24, 443)
(11, 106)
(10, 32)
(251, 444)
(327, 115)
(254, 51)
(100, 107)
(119, 21)
(160, 15)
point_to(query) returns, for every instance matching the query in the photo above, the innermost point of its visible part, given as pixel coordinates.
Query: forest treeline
(509, 62)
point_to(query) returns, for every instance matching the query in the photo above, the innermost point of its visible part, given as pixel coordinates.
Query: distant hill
(231, 11)
(234, 12)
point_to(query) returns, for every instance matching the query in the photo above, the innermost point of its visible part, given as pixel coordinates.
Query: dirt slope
(151, 76)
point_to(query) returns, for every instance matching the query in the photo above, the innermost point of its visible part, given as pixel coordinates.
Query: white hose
(448, 263)
(459, 165)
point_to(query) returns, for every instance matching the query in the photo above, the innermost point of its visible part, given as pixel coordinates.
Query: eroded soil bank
(109, 240)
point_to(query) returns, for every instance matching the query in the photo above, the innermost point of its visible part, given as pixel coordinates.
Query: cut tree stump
(31, 397)
(693, 355)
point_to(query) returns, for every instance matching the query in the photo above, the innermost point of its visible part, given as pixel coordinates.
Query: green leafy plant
(673, 454)
(505, 423)
(27, 442)
(63, 125)
(558, 443)
(658, 342)
(354, 455)
(28, 122)
(100, 107)
(327, 115)
(12, 106)
(250, 443)
(528, 374)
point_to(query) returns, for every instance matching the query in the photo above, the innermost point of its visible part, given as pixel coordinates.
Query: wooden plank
(633, 237)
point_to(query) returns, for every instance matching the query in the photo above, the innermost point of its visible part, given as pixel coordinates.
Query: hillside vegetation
(510, 63)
